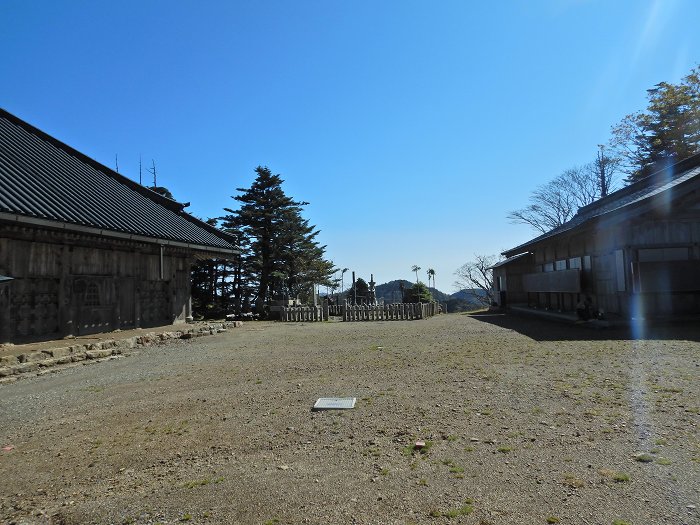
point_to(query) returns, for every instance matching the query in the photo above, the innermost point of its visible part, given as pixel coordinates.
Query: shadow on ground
(546, 330)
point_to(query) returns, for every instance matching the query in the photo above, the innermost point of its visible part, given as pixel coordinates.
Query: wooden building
(88, 250)
(634, 253)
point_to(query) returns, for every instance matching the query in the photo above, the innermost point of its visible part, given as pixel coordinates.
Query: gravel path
(525, 422)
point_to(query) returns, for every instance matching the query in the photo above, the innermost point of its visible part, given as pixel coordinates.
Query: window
(560, 265)
(92, 295)
(548, 267)
(575, 263)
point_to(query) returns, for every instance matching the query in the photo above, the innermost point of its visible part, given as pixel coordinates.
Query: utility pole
(153, 172)
(354, 289)
(140, 181)
(602, 162)
(116, 162)
(342, 283)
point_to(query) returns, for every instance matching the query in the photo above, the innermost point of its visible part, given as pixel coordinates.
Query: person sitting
(583, 309)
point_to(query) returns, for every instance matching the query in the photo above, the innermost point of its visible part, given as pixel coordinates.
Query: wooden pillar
(137, 301)
(6, 331)
(67, 314)
(116, 291)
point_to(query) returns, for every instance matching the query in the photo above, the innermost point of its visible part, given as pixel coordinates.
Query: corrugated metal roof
(623, 199)
(44, 178)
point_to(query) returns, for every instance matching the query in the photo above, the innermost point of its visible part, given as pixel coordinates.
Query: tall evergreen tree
(358, 293)
(283, 256)
(668, 131)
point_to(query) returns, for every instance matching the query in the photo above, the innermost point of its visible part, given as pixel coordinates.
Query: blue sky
(412, 128)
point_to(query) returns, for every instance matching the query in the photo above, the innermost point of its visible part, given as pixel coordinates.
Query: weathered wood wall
(66, 283)
(609, 254)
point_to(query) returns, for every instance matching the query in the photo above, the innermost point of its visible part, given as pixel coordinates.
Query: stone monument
(372, 294)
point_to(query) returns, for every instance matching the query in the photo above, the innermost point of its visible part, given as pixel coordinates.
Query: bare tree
(604, 168)
(476, 278)
(554, 203)
(551, 205)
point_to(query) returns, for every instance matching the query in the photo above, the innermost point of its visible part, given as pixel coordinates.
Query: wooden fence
(335, 310)
(389, 312)
(386, 312)
(304, 313)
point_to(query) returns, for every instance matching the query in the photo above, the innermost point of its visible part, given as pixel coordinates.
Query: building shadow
(550, 330)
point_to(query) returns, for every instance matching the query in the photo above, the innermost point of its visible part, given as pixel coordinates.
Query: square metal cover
(334, 403)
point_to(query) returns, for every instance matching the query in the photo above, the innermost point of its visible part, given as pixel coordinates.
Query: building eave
(687, 180)
(13, 218)
(508, 261)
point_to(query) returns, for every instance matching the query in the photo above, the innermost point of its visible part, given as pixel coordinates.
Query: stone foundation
(13, 366)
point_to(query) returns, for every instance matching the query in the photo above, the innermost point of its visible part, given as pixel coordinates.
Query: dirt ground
(524, 422)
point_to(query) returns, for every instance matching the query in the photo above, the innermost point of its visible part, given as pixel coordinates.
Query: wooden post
(66, 319)
(6, 331)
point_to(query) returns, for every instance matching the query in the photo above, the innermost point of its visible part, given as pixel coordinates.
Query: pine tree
(282, 256)
(300, 256)
(418, 293)
(358, 293)
(667, 132)
(672, 120)
(211, 285)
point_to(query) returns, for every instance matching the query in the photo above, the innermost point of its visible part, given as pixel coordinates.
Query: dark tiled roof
(623, 199)
(509, 260)
(41, 177)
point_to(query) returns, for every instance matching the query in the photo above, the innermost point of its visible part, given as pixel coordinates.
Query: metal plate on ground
(334, 403)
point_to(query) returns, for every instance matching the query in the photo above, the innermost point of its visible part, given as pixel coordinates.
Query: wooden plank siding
(646, 263)
(69, 284)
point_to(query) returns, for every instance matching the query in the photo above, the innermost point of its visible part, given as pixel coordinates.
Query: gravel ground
(525, 422)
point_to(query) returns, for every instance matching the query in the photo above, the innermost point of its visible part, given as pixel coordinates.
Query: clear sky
(412, 128)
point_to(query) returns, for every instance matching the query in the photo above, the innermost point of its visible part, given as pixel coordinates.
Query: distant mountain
(461, 301)
(391, 291)
(465, 300)
(468, 294)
